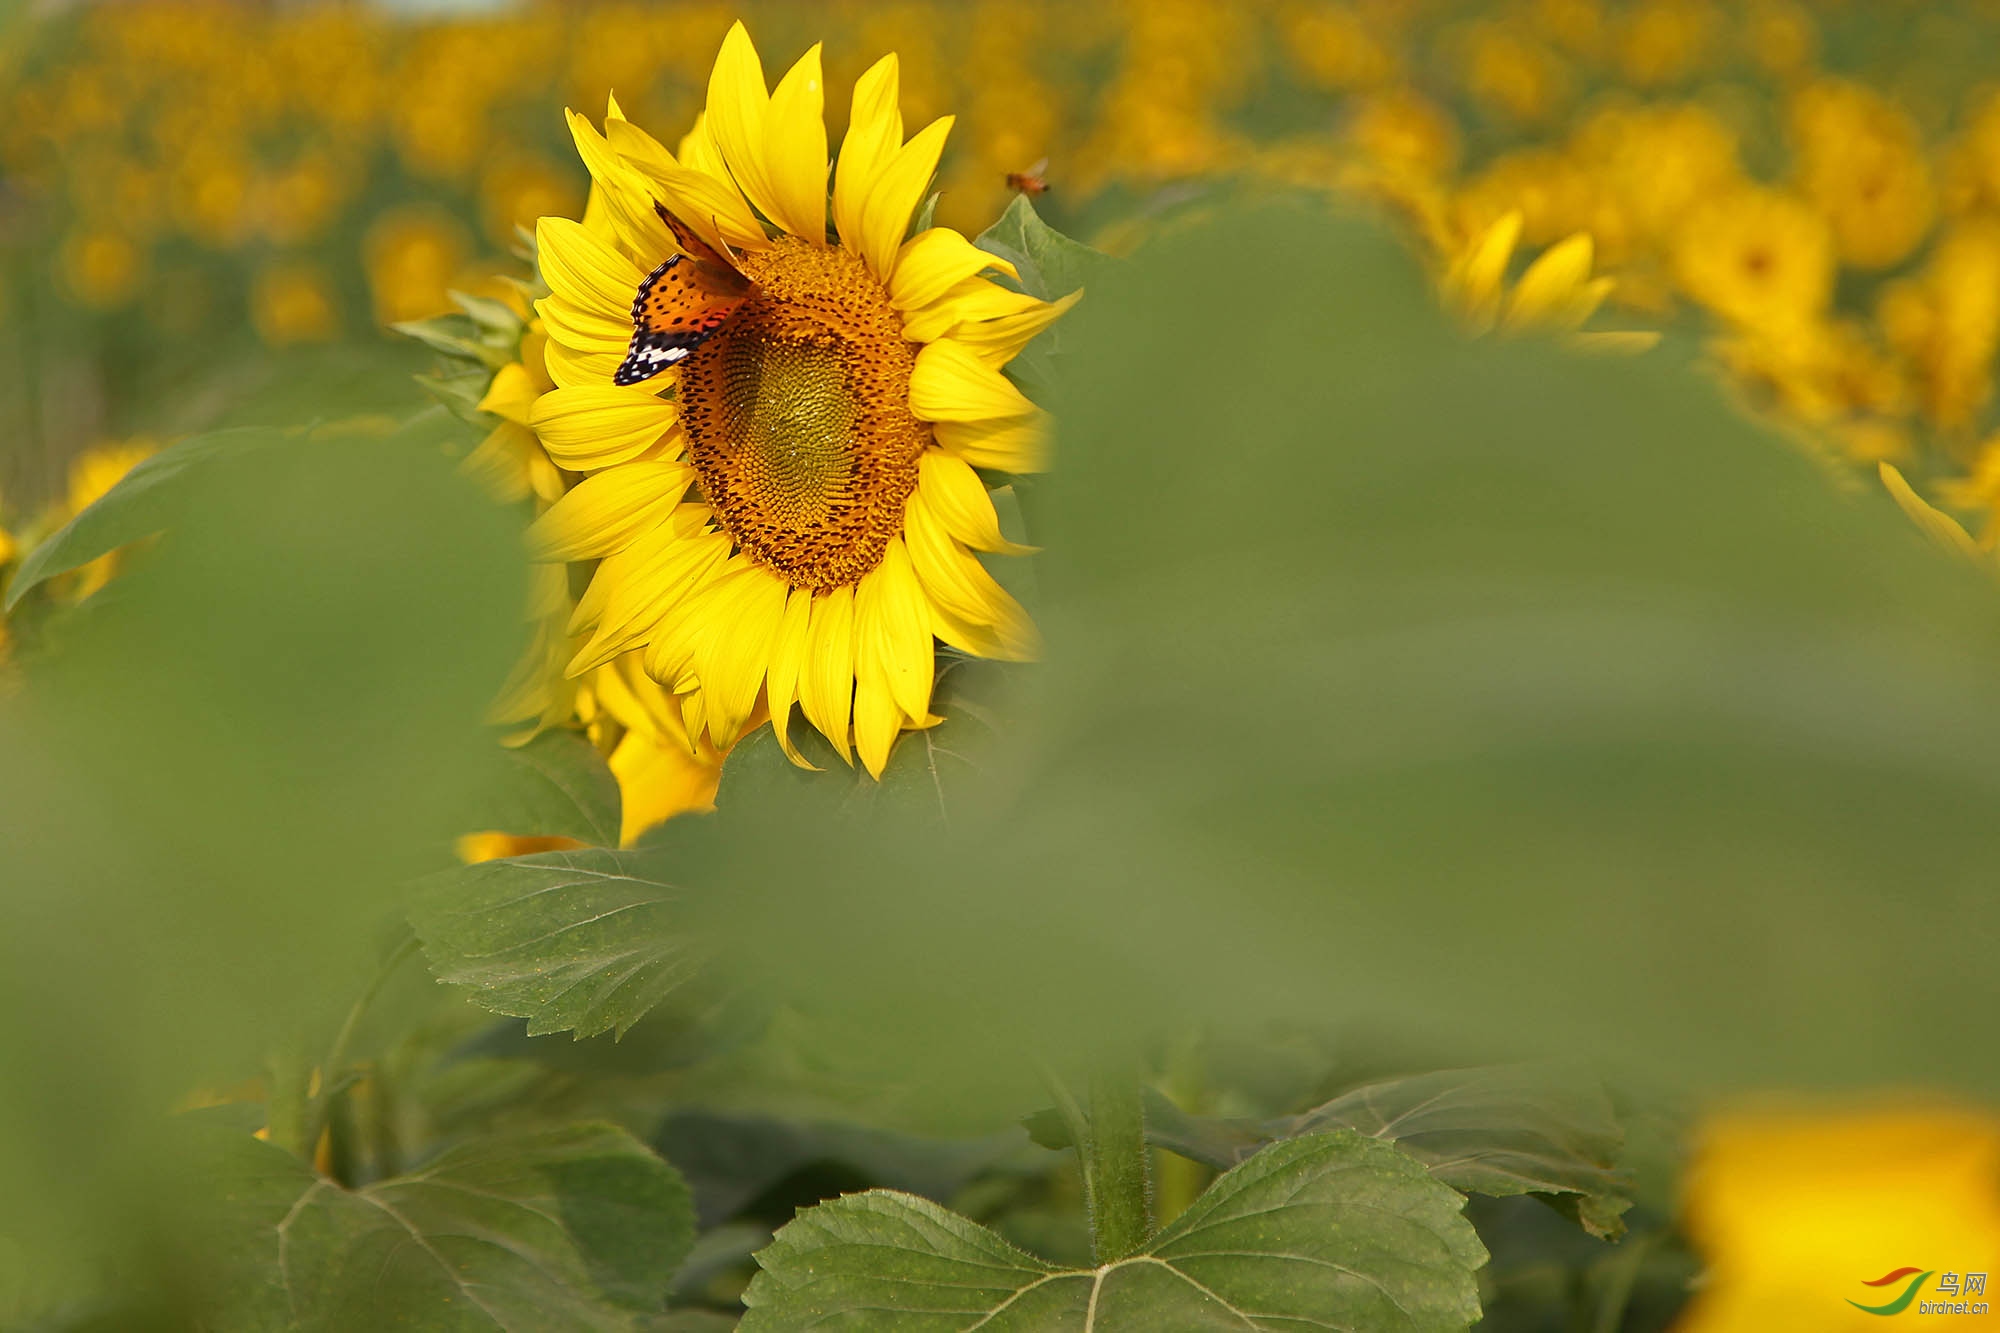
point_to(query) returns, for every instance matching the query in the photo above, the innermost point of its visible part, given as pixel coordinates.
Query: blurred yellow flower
(1796, 1213)
(1657, 162)
(1757, 257)
(1819, 372)
(413, 255)
(1406, 134)
(1665, 41)
(1860, 160)
(516, 189)
(293, 303)
(1780, 36)
(102, 268)
(1945, 322)
(1335, 48)
(1510, 73)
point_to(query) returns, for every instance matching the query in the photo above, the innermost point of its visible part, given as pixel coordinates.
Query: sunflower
(788, 514)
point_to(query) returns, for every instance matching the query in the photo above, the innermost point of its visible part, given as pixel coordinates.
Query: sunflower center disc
(798, 417)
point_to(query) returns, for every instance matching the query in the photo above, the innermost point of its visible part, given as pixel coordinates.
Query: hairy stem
(1115, 1166)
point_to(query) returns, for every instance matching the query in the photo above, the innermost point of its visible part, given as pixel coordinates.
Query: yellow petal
(584, 272)
(588, 428)
(826, 679)
(733, 655)
(958, 499)
(569, 368)
(1616, 342)
(998, 341)
(960, 586)
(885, 215)
(967, 637)
(951, 383)
(973, 299)
(678, 634)
(737, 105)
(646, 584)
(501, 466)
(874, 133)
(511, 394)
(699, 153)
(694, 707)
(604, 513)
(658, 781)
(932, 262)
(892, 630)
(877, 721)
(1473, 282)
(622, 194)
(787, 657)
(1939, 526)
(1018, 444)
(639, 150)
(1556, 289)
(709, 204)
(589, 332)
(795, 150)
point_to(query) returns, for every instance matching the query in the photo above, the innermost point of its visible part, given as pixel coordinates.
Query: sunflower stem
(1116, 1180)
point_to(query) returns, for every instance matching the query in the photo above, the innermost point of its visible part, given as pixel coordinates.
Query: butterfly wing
(679, 305)
(691, 244)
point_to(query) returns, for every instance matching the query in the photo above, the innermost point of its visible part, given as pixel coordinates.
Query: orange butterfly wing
(679, 305)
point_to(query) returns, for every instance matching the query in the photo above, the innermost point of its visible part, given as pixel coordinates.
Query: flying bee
(1030, 182)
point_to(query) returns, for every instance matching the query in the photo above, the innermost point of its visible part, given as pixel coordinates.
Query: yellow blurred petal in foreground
(1800, 1214)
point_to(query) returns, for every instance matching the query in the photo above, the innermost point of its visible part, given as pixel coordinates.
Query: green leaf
(145, 501)
(1051, 264)
(1500, 1130)
(557, 785)
(498, 324)
(461, 394)
(1330, 1231)
(580, 941)
(459, 337)
(575, 1228)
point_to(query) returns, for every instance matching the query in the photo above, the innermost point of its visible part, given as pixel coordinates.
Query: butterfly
(680, 304)
(1030, 182)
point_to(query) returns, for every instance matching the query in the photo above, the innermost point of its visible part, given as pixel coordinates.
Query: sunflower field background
(1401, 732)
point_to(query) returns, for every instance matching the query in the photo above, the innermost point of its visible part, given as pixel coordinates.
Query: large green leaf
(1327, 1231)
(1050, 263)
(556, 785)
(572, 1228)
(582, 941)
(145, 501)
(1499, 1130)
